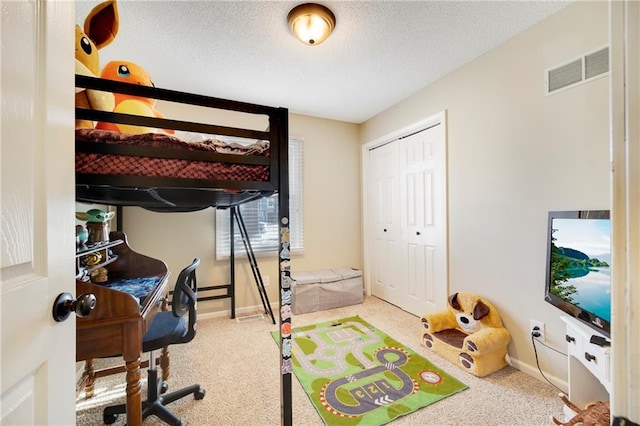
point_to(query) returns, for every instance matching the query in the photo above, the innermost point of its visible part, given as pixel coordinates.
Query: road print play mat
(355, 374)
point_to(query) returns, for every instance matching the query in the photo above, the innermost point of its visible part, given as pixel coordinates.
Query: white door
(406, 218)
(384, 198)
(423, 220)
(37, 206)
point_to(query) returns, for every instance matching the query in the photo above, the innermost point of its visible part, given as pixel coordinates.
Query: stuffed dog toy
(130, 72)
(100, 29)
(469, 334)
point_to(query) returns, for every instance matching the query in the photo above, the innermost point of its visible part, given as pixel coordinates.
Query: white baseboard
(247, 310)
(533, 371)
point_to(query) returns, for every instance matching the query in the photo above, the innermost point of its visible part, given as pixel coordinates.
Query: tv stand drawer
(595, 358)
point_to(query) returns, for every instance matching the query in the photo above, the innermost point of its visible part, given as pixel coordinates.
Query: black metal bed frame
(183, 195)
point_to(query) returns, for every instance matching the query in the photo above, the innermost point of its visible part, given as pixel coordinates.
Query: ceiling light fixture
(311, 23)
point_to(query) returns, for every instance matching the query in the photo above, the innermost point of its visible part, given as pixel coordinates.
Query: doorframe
(624, 28)
(439, 118)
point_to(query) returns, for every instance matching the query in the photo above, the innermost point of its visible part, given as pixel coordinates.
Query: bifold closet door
(384, 199)
(422, 220)
(407, 226)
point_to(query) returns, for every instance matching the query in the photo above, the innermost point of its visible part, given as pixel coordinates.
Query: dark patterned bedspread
(115, 164)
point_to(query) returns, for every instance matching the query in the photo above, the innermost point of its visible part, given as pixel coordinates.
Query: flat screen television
(579, 266)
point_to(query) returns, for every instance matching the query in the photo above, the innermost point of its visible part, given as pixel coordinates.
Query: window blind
(261, 216)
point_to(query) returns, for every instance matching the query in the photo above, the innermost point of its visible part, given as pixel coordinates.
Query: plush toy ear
(102, 23)
(480, 310)
(453, 301)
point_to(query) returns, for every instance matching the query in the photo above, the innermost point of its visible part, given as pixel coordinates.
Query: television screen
(579, 265)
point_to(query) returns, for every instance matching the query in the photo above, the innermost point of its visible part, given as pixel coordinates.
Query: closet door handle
(385, 229)
(417, 232)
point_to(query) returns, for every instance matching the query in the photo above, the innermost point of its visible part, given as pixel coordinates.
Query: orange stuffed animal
(100, 29)
(129, 72)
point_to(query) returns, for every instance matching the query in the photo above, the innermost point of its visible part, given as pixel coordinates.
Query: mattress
(100, 152)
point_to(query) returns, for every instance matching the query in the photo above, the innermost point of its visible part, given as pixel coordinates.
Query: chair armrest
(438, 321)
(487, 340)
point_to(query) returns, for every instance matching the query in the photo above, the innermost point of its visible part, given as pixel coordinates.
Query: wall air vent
(596, 63)
(585, 68)
(565, 76)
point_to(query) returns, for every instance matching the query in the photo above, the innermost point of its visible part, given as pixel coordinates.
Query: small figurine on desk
(97, 224)
(82, 236)
(92, 259)
(99, 275)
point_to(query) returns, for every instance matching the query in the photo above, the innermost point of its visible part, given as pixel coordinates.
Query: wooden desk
(119, 320)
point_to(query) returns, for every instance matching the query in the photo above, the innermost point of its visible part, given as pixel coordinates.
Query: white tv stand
(589, 365)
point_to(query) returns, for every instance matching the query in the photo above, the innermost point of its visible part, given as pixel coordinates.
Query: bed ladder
(235, 214)
(229, 289)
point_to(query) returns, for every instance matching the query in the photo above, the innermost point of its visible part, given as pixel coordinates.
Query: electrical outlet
(265, 281)
(537, 327)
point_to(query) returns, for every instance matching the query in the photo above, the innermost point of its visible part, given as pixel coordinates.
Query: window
(261, 216)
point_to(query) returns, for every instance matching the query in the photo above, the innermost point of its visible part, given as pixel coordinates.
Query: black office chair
(167, 328)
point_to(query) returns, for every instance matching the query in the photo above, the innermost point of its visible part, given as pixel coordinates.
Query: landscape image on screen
(581, 264)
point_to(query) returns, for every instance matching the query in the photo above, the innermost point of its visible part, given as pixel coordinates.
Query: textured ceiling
(380, 52)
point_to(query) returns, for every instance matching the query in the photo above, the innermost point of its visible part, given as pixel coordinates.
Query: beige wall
(332, 231)
(513, 155)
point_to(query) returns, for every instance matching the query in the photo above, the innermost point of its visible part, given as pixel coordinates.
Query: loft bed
(231, 179)
(166, 174)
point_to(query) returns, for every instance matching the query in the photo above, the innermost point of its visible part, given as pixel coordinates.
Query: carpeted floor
(237, 364)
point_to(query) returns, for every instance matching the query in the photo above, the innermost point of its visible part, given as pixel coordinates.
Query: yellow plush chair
(469, 334)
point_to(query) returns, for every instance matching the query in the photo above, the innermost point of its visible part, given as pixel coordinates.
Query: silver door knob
(65, 304)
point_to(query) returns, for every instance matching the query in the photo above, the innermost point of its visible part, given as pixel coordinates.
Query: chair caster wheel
(199, 394)
(163, 387)
(109, 419)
